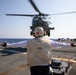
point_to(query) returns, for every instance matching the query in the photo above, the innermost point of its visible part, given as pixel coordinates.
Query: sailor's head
(39, 32)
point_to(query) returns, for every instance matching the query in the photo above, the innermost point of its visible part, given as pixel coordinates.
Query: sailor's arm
(62, 44)
(21, 44)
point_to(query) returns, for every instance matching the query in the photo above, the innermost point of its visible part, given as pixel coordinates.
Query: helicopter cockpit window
(35, 18)
(44, 18)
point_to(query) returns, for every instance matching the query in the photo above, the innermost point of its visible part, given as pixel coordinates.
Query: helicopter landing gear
(48, 34)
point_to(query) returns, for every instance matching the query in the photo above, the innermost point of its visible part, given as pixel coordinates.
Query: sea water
(11, 40)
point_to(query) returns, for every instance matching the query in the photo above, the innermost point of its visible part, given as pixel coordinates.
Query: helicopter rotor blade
(64, 13)
(31, 15)
(20, 15)
(34, 6)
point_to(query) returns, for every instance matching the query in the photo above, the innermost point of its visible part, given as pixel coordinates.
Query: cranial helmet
(39, 31)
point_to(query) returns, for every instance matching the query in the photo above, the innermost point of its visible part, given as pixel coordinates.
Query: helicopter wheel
(31, 33)
(48, 33)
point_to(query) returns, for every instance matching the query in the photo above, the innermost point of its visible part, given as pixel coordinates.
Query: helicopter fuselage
(41, 21)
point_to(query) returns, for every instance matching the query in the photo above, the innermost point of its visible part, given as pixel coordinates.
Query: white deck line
(24, 53)
(1, 49)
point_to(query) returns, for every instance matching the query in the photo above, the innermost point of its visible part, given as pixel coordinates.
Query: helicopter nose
(39, 22)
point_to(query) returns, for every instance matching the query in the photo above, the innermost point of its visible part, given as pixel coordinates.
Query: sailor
(38, 51)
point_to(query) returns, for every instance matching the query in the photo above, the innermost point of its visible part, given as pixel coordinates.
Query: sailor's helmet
(39, 31)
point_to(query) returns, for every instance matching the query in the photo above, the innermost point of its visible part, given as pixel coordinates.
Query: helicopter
(40, 19)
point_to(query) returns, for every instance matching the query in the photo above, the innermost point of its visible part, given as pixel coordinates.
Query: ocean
(11, 40)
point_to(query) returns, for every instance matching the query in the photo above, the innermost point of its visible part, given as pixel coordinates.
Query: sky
(19, 27)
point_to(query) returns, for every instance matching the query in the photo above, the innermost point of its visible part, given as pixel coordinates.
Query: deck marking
(1, 49)
(24, 53)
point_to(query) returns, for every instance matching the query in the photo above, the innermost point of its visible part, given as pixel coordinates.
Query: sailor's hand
(4, 44)
(73, 44)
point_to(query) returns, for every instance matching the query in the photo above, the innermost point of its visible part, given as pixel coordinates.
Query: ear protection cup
(44, 33)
